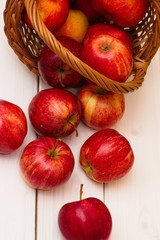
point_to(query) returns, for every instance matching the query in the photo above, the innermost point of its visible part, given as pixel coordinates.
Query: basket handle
(77, 64)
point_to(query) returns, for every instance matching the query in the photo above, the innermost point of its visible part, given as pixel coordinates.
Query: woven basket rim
(141, 60)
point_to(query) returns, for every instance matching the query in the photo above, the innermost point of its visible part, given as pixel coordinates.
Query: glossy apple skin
(13, 127)
(75, 26)
(46, 163)
(54, 71)
(110, 29)
(53, 13)
(123, 13)
(106, 156)
(109, 56)
(100, 108)
(85, 219)
(55, 112)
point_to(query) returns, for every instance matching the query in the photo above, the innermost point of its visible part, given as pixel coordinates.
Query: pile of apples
(96, 32)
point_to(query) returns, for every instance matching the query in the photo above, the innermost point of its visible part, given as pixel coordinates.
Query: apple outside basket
(28, 43)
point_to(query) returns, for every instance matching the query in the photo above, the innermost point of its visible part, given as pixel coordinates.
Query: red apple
(86, 7)
(109, 56)
(100, 108)
(55, 112)
(85, 219)
(46, 163)
(123, 13)
(54, 71)
(106, 156)
(13, 127)
(53, 13)
(110, 29)
(26, 19)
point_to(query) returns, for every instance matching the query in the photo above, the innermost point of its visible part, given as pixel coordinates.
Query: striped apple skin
(46, 163)
(106, 156)
(100, 108)
(109, 56)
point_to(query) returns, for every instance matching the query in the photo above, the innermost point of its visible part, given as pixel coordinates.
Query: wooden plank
(17, 201)
(134, 200)
(49, 203)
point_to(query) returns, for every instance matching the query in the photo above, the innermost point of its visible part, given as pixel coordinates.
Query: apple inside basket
(28, 43)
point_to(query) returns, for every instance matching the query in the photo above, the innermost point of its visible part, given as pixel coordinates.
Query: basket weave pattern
(28, 43)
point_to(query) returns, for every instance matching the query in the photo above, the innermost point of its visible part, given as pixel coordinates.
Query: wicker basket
(27, 44)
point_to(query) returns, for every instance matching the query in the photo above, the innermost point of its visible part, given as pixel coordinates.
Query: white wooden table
(134, 201)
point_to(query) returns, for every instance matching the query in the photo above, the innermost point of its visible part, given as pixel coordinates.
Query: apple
(106, 156)
(55, 112)
(88, 218)
(25, 18)
(86, 7)
(54, 71)
(53, 13)
(110, 29)
(123, 13)
(75, 26)
(100, 108)
(109, 56)
(13, 127)
(46, 163)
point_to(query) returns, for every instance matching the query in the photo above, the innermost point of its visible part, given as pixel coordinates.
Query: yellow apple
(75, 26)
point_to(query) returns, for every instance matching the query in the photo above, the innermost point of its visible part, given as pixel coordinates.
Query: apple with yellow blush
(53, 13)
(75, 26)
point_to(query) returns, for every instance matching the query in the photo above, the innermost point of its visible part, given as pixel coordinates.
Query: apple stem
(81, 191)
(52, 151)
(75, 129)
